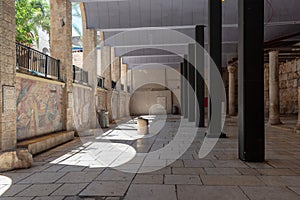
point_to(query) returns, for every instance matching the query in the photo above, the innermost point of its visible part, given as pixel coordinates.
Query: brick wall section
(289, 80)
(7, 74)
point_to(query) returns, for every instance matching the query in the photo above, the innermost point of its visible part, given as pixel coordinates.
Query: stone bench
(43, 143)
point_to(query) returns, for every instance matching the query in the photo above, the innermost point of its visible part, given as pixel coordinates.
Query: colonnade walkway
(91, 167)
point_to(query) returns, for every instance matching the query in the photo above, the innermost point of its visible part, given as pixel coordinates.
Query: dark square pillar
(215, 51)
(191, 81)
(182, 98)
(185, 87)
(251, 81)
(200, 114)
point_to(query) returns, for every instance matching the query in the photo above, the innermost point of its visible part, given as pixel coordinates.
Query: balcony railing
(36, 62)
(100, 82)
(80, 76)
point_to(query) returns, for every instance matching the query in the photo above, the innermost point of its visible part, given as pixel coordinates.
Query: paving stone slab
(43, 177)
(269, 193)
(39, 190)
(105, 188)
(15, 189)
(182, 179)
(198, 163)
(148, 179)
(230, 180)
(69, 189)
(114, 175)
(186, 170)
(78, 177)
(221, 171)
(193, 192)
(151, 192)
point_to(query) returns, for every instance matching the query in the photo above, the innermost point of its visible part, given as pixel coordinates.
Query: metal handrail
(36, 62)
(80, 75)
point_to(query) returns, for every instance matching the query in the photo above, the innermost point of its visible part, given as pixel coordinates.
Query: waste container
(104, 121)
(142, 126)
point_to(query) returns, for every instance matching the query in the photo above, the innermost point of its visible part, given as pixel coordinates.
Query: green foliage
(31, 15)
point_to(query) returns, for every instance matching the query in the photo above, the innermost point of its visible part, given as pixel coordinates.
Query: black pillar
(191, 81)
(181, 89)
(251, 81)
(185, 87)
(215, 51)
(200, 116)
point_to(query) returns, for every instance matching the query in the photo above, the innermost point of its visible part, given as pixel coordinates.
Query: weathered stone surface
(289, 76)
(15, 160)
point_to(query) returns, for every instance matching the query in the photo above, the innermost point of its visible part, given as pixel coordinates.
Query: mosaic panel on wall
(39, 108)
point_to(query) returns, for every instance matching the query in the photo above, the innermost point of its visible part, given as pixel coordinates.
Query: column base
(15, 159)
(274, 122)
(297, 130)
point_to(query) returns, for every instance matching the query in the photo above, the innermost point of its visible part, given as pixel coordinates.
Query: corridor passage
(108, 164)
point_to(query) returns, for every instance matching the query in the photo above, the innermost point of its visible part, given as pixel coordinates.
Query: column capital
(231, 68)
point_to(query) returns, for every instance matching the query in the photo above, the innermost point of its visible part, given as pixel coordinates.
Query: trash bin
(142, 126)
(104, 121)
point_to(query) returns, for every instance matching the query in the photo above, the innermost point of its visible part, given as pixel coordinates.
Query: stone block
(16, 159)
(43, 143)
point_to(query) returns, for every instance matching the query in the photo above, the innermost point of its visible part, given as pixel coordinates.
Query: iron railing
(100, 82)
(36, 62)
(80, 76)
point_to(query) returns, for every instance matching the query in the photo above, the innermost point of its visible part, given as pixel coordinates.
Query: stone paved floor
(98, 169)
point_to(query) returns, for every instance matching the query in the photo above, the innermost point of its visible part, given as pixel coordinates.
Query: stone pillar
(274, 115)
(8, 136)
(89, 43)
(115, 68)
(124, 69)
(231, 92)
(106, 73)
(298, 123)
(61, 48)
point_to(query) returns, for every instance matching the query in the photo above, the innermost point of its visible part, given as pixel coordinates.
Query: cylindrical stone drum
(142, 126)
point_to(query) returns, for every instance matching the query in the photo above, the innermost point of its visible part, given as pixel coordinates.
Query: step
(43, 143)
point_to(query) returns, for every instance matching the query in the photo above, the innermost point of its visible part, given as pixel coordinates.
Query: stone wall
(289, 80)
(39, 106)
(102, 98)
(84, 110)
(147, 102)
(7, 74)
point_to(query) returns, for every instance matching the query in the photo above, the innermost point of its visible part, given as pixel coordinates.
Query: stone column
(106, 74)
(89, 43)
(298, 123)
(115, 68)
(274, 115)
(8, 136)
(124, 69)
(61, 48)
(231, 92)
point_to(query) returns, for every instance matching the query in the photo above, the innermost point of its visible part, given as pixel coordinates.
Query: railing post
(74, 75)
(28, 56)
(58, 69)
(46, 67)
